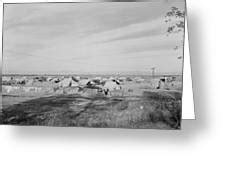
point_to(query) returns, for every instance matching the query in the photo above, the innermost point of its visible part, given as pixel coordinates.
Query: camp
(110, 86)
(68, 82)
(6, 78)
(84, 82)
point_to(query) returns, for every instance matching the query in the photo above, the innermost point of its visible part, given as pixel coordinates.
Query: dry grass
(153, 109)
(136, 105)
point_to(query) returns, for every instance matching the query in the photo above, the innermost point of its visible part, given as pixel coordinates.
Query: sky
(90, 38)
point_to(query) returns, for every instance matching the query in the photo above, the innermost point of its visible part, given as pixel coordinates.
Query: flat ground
(138, 105)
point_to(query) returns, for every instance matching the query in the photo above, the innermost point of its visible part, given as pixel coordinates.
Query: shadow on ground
(159, 110)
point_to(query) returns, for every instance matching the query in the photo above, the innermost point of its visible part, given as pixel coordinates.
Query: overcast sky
(89, 38)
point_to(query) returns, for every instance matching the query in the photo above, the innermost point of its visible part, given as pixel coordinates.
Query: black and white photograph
(112, 84)
(93, 64)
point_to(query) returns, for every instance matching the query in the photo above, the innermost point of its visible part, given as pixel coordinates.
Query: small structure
(68, 82)
(110, 86)
(55, 80)
(83, 82)
(138, 79)
(6, 78)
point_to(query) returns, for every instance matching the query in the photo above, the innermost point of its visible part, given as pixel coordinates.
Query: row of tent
(63, 81)
(104, 85)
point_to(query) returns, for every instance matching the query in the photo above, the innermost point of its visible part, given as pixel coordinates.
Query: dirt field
(136, 105)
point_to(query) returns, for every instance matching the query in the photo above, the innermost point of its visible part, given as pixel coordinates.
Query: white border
(188, 111)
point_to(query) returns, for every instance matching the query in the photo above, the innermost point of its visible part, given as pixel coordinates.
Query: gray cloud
(84, 33)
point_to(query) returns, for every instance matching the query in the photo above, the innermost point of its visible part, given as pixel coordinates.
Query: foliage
(175, 19)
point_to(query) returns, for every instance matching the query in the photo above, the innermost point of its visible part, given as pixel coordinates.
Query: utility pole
(153, 71)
